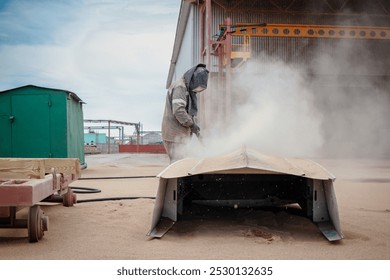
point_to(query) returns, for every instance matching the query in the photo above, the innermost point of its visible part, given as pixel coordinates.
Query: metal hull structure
(246, 178)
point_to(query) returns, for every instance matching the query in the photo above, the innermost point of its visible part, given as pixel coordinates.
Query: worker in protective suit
(181, 108)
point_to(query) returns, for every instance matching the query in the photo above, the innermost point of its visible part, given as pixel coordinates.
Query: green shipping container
(39, 122)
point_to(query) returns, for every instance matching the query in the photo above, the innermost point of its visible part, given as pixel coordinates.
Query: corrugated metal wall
(293, 50)
(190, 50)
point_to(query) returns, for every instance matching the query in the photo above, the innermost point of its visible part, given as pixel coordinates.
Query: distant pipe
(109, 138)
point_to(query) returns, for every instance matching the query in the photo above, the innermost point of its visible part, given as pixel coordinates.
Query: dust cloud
(338, 105)
(272, 111)
(351, 88)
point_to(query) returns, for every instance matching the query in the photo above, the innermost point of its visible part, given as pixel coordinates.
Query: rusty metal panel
(195, 35)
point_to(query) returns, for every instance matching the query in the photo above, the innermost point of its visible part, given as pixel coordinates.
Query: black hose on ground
(114, 198)
(83, 190)
(122, 177)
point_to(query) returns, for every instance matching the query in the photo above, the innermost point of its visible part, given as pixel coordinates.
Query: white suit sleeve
(179, 105)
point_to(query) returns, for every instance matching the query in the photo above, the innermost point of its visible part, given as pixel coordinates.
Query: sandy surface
(117, 229)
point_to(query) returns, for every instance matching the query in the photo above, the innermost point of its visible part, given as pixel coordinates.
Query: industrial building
(296, 76)
(337, 48)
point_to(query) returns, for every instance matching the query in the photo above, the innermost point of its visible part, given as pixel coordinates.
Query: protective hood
(196, 76)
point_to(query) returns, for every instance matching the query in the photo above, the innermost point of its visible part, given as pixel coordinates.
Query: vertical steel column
(220, 86)
(208, 57)
(109, 137)
(138, 128)
(205, 46)
(208, 33)
(228, 81)
(202, 9)
(203, 50)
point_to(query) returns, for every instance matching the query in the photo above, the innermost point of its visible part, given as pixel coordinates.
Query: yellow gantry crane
(248, 30)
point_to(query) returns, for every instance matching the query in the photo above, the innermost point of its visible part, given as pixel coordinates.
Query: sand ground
(117, 229)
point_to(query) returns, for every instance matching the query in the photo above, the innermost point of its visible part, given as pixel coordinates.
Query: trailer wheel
(69, 198)
(37, 223)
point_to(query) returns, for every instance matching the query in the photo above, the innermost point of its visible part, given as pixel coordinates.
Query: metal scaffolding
(138, 128)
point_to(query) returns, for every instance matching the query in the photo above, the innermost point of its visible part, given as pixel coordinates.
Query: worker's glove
(195, 129)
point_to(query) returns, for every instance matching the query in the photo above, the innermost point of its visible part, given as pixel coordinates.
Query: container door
(31, 126)
(5, 127)
(5, 136)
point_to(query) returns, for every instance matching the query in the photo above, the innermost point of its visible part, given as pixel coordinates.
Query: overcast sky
(114, 54)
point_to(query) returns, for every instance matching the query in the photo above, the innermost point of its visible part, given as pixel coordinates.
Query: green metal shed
(39, 122)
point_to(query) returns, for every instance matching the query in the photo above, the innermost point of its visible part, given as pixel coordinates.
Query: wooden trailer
(25, 182)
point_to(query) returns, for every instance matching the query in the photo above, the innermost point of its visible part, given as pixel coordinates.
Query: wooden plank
(16, 168)
(65, 166)
(36, 168)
